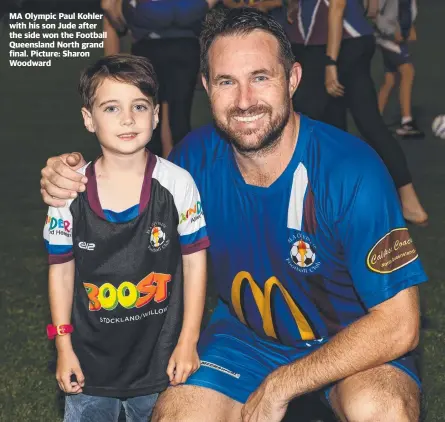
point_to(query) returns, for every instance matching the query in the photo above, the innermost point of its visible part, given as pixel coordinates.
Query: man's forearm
(61, 290)
(194, 295)
(335, 27)
(367, 343)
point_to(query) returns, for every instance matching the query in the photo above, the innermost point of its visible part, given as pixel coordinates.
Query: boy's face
(122, 117)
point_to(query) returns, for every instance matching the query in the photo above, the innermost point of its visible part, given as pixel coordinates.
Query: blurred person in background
(395, 30)
(166, 33)
(334, 42)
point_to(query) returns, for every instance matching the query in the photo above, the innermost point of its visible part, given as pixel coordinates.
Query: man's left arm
(383, 263)
(387, 332)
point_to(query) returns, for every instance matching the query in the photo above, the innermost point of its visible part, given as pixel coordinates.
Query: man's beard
(271, 134)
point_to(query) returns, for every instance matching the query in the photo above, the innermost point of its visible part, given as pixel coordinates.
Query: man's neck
(262, 169)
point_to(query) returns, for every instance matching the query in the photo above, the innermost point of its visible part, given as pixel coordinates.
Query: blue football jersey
(310, 254)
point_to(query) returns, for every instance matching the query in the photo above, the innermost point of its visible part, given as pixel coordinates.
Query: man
(315, 270)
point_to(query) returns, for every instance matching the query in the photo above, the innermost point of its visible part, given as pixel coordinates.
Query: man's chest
(269, 234)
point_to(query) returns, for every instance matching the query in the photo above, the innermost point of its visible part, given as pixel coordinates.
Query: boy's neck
(112, 164)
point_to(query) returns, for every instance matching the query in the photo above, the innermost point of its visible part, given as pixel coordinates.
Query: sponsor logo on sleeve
(58, 226)
(392, 252)
(193, 214)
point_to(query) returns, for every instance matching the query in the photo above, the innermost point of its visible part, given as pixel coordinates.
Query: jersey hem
(195, 247)
(112, 392)
(60, 259)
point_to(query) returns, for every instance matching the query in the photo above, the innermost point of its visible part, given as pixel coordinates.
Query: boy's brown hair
(126, 68)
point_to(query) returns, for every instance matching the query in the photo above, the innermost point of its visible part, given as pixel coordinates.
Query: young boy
(127, 257)
(394, 30)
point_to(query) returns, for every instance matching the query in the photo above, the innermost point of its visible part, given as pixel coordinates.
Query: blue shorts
(234, 360)
(394, 55)
(81, 407)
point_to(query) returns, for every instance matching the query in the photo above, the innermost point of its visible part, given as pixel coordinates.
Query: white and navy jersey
(312, 253)
(394, 16)
(128, 292)
(311, 25)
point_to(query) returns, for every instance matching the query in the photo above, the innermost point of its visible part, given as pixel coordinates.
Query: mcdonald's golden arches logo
(262, 301)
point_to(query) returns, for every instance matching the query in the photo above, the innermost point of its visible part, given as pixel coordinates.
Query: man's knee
(373, 404)
(188, 403)
(169, 406)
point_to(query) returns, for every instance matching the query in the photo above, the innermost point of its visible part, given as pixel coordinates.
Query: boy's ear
(155, 117)
(88, 120)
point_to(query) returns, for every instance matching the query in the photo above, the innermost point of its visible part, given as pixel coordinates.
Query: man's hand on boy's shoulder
(60, 180)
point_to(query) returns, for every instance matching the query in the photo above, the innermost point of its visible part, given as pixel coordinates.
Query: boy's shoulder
(171, 175)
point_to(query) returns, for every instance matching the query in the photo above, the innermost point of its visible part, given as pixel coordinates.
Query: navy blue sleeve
(379, 251)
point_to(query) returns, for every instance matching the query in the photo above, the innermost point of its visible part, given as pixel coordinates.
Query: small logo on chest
(302, 255)
(158, 237)
(87, 246)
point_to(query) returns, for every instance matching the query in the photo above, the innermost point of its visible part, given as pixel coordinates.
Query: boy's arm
(61, 291)
(58, 237)
(194, 240)
(195, 275)
(184, 360)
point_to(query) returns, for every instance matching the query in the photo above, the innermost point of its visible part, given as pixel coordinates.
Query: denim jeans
(84, 408)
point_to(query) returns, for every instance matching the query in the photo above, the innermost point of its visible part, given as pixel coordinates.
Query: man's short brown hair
(126, 68)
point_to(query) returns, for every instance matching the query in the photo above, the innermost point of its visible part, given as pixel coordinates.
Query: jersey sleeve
(58, 235)
(379, 251)
(192, 226)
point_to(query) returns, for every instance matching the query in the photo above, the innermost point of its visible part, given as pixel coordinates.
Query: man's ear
(88, 120)
(205, 83)
(294, 78)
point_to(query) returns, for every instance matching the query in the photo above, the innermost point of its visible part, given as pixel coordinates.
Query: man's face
(248, 89)
(122, 117)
